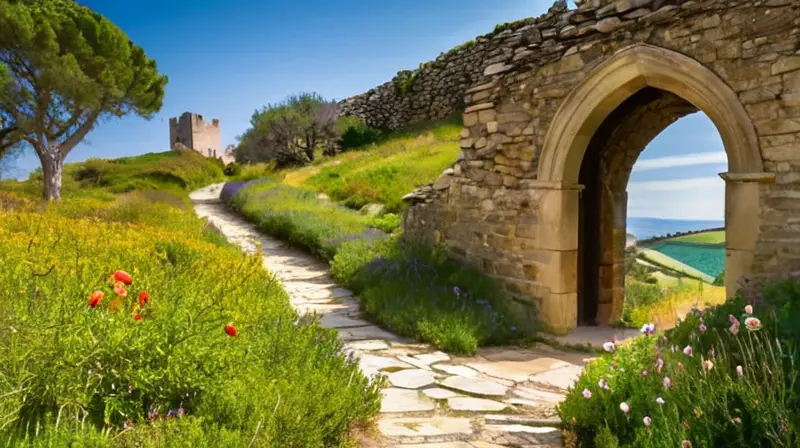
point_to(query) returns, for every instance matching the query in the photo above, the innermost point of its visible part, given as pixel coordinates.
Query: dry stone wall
(501, 210)
(437, 88)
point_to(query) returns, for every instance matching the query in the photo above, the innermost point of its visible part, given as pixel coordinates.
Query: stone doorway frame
(578, 118)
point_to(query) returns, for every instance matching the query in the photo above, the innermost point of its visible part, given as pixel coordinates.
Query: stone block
(559, 312)
(560, 273)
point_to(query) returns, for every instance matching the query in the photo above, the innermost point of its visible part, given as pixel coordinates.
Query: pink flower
(660, 400)
(732, 319)
(587, 394)
(647, 421)
(739, 371)
(748, 309)
(708, 365)
(734, 328)
(644, 372)
(703, 328)
(624, 407)
(603, 384)
(687, 350)
(686, 444)
(752, 323)
(667, 382)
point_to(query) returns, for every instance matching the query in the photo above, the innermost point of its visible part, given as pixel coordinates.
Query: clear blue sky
(224, 59)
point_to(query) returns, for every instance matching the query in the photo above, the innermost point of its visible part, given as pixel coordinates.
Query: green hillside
(710, 237)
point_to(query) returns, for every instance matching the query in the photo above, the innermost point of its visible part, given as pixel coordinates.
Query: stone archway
(598, 113)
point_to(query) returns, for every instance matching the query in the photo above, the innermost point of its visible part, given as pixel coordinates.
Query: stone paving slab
(499, 397)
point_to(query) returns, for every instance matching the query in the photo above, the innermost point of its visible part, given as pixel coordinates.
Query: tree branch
(80, 133)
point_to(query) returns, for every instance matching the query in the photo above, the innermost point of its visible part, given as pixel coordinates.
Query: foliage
(418, 291)
(404, 287)
(387, 223)
(395, 166)
(355, 133)
(290, 132)
(72, 375)
(732, 380)
(708, 237)
(62, 68)
(720, 279)
(233, 169)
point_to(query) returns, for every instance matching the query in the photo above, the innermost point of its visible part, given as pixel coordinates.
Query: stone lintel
(552, 185)
(762, 178)
(482, 87)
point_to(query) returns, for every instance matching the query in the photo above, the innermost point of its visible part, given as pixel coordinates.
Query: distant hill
(645, 228)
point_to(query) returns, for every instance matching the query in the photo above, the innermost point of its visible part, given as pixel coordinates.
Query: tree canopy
(291, 131)
(62, 68)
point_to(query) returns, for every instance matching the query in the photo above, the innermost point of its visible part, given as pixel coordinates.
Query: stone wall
(437, 88)
(545, 121)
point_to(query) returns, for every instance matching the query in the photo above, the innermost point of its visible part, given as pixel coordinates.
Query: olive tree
(63, 67)
(291, 131)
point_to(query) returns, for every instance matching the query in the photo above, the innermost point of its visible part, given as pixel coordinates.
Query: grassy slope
(670, 263)
(386, 172)
(711, 237)
(103, 367)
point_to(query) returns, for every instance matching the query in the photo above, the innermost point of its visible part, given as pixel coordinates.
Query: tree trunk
(53, 168)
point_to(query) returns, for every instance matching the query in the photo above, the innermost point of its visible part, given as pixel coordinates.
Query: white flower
(610, 347)
(660, 400)
(624, 407)
(647, 421)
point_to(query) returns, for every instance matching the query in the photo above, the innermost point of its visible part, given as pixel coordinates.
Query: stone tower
(193, 132)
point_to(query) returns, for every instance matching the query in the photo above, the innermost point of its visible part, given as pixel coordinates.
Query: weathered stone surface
(560, 378)
(411, 379)
(454, 369)
(474, 404)
(475, 386)
(430, 358)
(517, 371)
(424, 427)
(403, 400)
(438, 393)
(371, 365)
(368, 345)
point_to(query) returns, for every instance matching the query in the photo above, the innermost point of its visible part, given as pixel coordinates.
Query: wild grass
(412, 290)
(712, 237)
(162, 373)
(725, 376)
(387, 171)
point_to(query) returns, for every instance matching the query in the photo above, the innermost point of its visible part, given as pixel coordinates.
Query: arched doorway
(590, 148)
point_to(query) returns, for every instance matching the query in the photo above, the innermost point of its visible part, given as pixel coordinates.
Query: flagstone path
(500, 397)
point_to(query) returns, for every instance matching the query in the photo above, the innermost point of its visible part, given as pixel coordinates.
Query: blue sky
(224, 59)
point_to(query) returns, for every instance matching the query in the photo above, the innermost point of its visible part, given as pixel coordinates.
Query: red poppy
(144, 297)
(230, 329)
(137, 317)
(95, 298)
(119, 289)
(124, 277)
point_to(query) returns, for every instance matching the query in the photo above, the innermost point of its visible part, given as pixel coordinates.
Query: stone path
(500, 397)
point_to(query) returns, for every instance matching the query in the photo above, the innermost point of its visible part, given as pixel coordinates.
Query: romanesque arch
(579, 118)
(559, 107)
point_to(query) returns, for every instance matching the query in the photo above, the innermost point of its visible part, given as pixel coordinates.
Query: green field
(712, 237)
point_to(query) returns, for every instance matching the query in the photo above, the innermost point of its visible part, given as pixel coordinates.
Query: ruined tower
(193, 132)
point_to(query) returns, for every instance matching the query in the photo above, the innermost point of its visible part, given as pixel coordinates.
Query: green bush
(387, 223)
(418, 291)
(640, 294)
(233, 169)
(355, 133)
(729, 385)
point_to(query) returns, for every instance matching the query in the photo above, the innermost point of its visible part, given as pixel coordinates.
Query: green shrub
(233, 169)
(638, 295)
(387, 223)
(418, 291)
(729, 385)
(355, 133)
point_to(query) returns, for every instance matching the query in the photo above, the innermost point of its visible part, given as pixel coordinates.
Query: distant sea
(644, 228)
